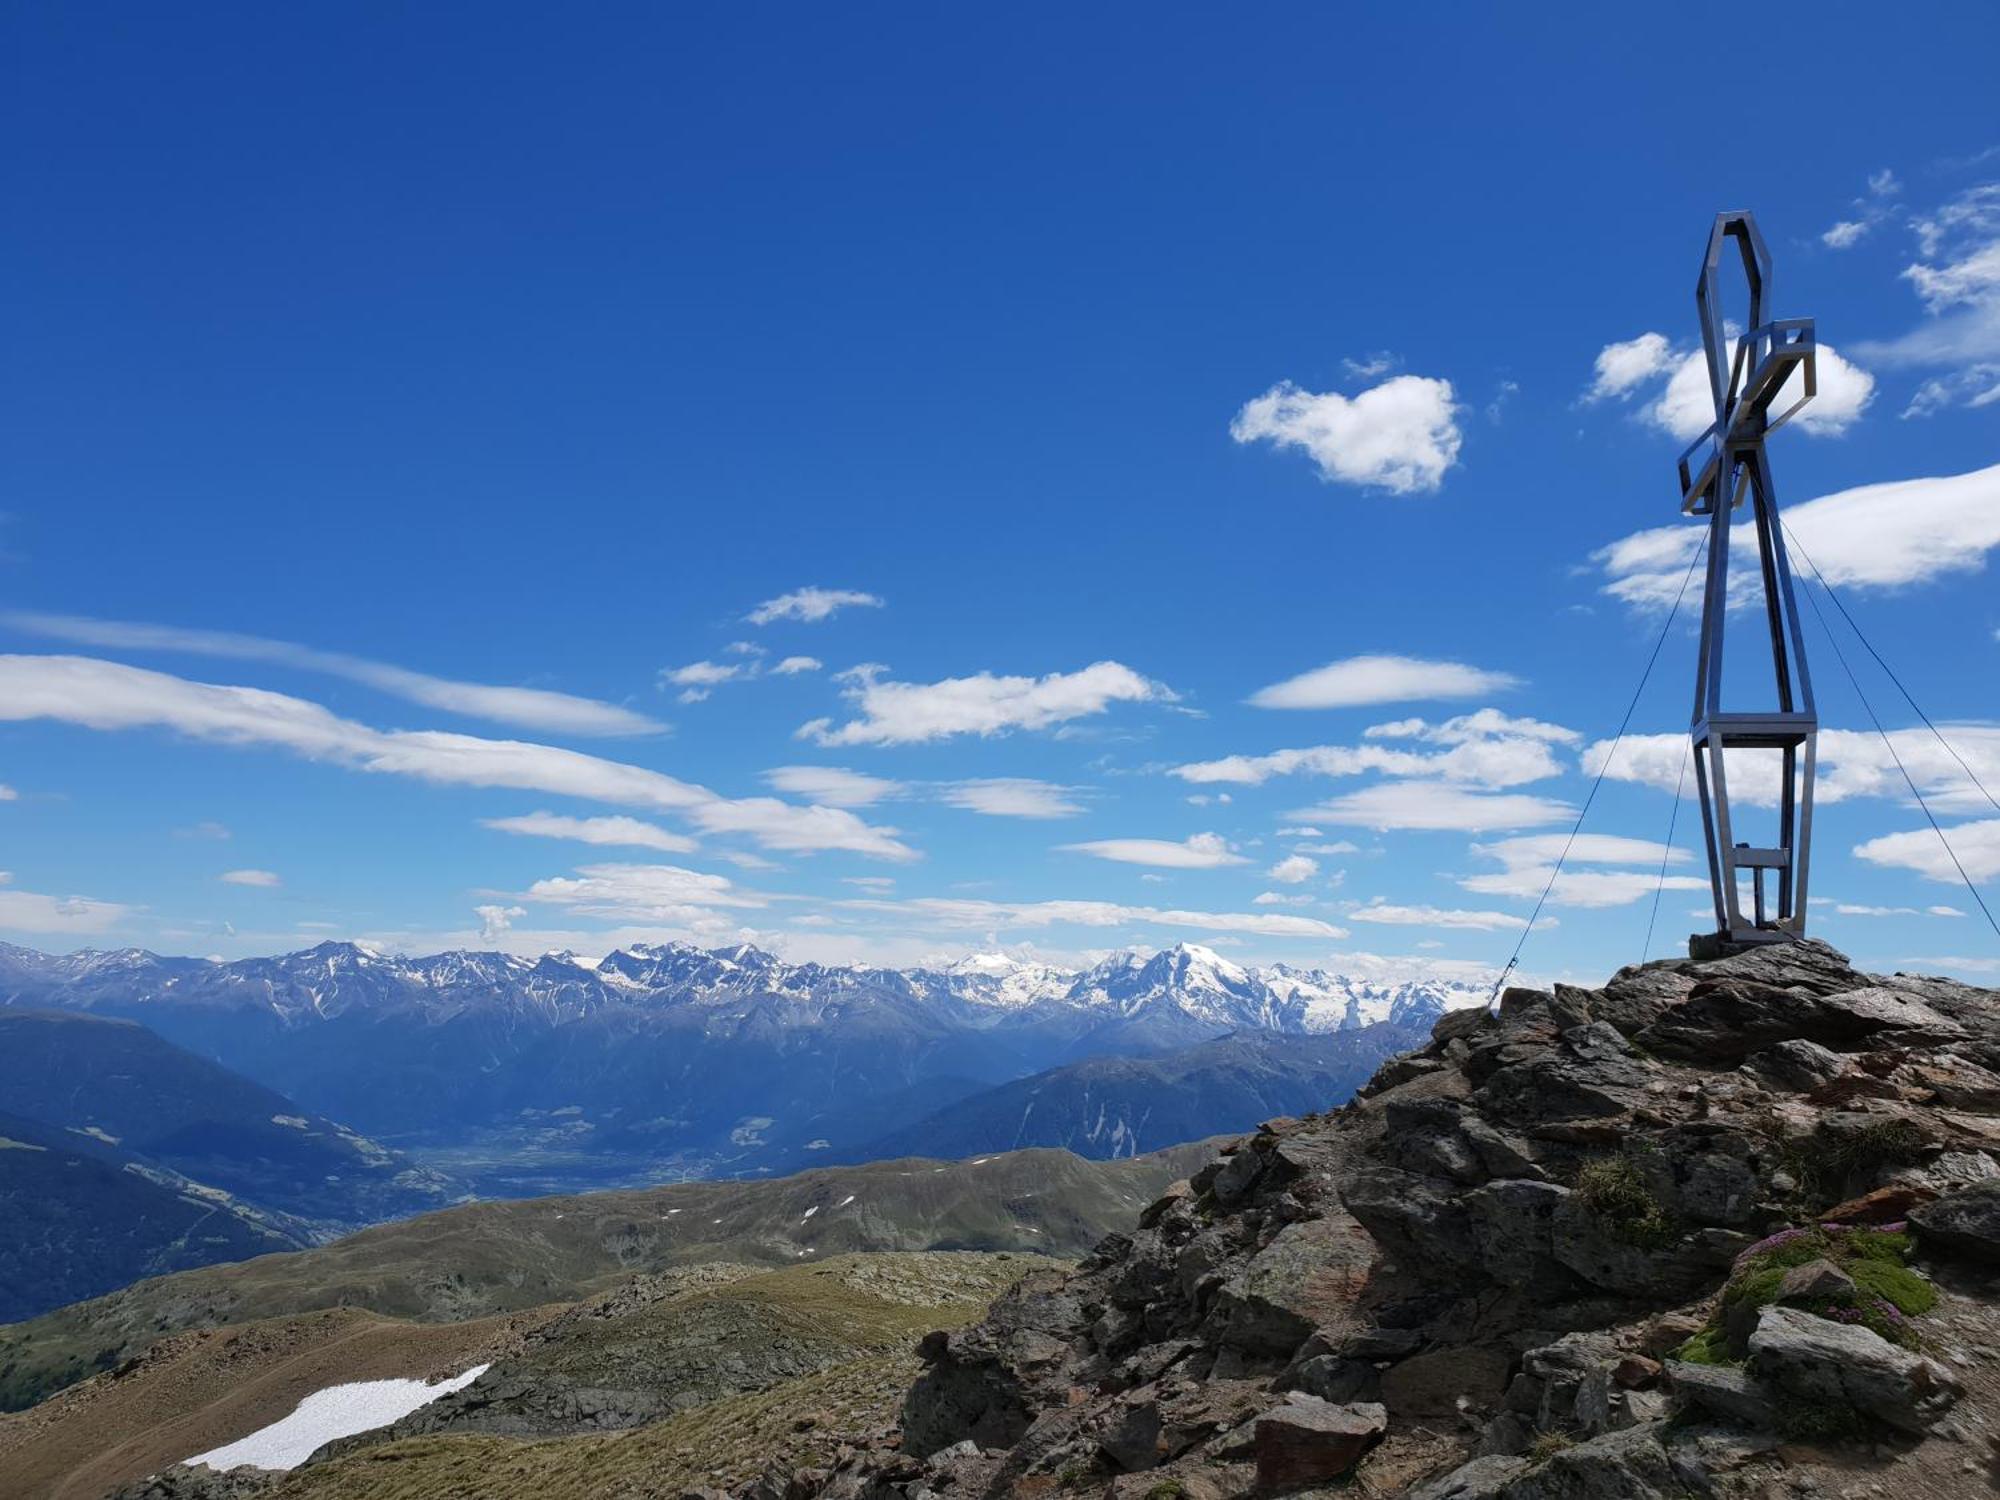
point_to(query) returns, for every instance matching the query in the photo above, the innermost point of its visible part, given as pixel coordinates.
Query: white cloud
(698, 679)
(1623, 367)
(1529, 861)
(532, 708)
(1957, 277)
(29, 911)
(810, 604)
(998, 915)
(1012, 797)
(1852, 763)
(1437, 805)
(1338, 846)
(644, 893)
(1977, 845)
(1276, 898)
(619, 832)
(1435, 916)
(835, 786)
(1400, 436)
(106, 695)
(1485, 723)
(494, 920)
(1884, 183)
(792, 665)
(1361, 680)
(1201, 851)
(908, 713)
(8, 794)
(264, 879)
(1846, 233)
(1681, 404)
(207, 829)
(1294, 869)
(1299, 831)
(1380, 362)
(1890, 535)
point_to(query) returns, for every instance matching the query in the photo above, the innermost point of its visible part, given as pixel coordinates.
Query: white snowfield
(336, 1412)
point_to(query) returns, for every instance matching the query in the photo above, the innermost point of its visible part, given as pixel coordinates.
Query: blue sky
(412, 418)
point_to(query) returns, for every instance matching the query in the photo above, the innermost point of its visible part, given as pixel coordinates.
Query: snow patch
(338, 1411)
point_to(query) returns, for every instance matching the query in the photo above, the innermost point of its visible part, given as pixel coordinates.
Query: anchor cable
(1603, 770)
(1869, 646)
(1666, 851)
(1890, 745)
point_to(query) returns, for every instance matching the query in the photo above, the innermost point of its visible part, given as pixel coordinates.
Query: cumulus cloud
(529, 708)
(835, 786)
(810, 604)
(1892, 535)
(1437, 916)
(618, 832)
(1201, 851)
(1436, 805)
(791, 666)
(1674, 385)
(1977, 845)
(265, 879)
(106, 695)
(1012, 797)
(69, 916)
(494, 920)
(987, 916)
(1359, 680)
(1294, 869)
(1623, 367)
(907, 713)
(1400, 436)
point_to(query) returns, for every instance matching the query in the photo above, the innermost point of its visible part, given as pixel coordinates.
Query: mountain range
(526, 1075)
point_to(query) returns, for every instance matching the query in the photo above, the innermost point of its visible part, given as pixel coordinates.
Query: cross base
(1707, 945)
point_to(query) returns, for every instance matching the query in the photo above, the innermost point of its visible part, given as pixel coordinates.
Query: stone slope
(1570, 1249)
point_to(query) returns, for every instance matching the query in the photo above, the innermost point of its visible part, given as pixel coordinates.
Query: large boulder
(1844, 1366)
(1308, 1442)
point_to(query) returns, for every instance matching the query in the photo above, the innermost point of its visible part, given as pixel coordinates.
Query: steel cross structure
(1747, 381)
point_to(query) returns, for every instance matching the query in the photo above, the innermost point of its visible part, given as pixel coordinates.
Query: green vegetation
(1547, 1445)
(1823, 1164)
(1613, 1190)
(1886, 1296)
(1167, 1489)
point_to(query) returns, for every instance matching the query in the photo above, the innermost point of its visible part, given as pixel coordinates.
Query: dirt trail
(195, 1391)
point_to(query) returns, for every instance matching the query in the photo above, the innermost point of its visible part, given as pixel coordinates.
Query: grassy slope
(503, 1257)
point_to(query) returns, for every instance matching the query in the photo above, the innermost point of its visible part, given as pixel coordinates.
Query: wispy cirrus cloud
(104, 695)
(1012, 797)
(1876, 536)
(262, 879)
(811, 604)
(1956, 276)
(615, 832)
(1437, 916)
(1436, 806)
(909, 713)
(1400, 436)
(987, 916)
(67, 916)
(1201, 851)
(528, 708)
(1358, 681)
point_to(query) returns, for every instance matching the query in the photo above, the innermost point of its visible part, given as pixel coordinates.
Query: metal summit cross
(1747, 381)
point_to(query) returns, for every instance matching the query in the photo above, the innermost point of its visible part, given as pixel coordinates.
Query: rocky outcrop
(1576, 1246)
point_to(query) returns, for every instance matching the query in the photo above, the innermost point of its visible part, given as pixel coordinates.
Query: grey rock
(1422, 1213)
(1816, 1280)
(1512, 1224)
(1823, 1361)
(1798, 1065)
(1425, 1135)
(1631, 1464)
(1487, 1478)
(1725, 1391)
(1965, 1223)
(1308, 1441)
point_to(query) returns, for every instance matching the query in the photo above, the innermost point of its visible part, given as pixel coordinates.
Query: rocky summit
(1724, 1228)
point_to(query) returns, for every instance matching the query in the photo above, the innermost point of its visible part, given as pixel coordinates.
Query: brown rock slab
(1308, 1441)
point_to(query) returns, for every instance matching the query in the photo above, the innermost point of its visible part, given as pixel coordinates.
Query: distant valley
(656, 1063)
